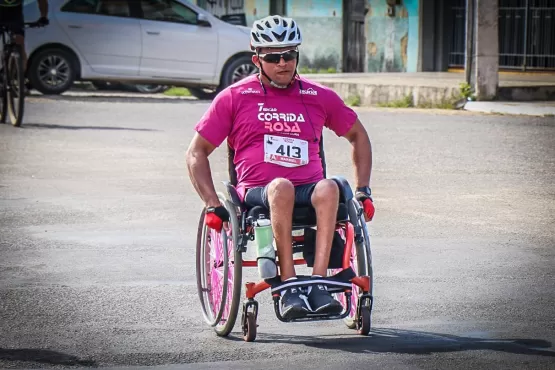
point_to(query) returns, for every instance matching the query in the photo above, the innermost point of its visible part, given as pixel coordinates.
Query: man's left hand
(367, 205)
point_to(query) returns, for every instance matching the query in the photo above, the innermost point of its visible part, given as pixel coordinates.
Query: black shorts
(259, 196)
(13, 19)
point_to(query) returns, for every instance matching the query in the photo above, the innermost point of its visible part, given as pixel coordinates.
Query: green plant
(406, 102)
(353, 100)
(177, 91)
(466, 91)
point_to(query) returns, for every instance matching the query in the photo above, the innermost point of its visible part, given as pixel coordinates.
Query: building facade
(404, 35)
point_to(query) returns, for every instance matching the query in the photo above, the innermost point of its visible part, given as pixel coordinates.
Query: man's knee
(325, 191)
(281, 189)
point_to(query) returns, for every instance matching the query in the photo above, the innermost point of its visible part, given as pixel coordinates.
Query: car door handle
(153, 32)
(74, 26)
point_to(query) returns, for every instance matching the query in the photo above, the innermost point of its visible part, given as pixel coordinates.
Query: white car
(166, 42)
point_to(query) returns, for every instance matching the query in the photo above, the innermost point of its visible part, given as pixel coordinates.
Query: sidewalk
(541, 109)
(431, 88)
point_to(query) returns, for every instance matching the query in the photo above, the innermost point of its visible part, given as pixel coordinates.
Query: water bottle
(265, 252)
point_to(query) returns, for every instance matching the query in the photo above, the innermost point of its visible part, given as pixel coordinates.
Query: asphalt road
(98, 224)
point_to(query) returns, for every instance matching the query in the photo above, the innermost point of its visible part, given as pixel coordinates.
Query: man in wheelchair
(273, 122)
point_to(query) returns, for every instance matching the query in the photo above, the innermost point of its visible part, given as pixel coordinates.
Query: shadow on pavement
(65, 127)
(412, 342)
(43, 356)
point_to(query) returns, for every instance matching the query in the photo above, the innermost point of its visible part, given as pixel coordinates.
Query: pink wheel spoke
(216, 274)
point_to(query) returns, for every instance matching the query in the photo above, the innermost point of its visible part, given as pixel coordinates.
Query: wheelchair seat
(302, 215)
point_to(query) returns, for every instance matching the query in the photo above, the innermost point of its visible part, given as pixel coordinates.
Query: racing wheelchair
(219, 262)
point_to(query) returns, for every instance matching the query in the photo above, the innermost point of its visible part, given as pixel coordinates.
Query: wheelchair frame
(234, 244)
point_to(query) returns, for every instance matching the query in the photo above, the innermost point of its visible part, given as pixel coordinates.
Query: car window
(116, 8)
(168, 11)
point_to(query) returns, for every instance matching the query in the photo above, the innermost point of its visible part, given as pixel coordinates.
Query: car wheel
(238, 69)
(105, 85)
(151, 89)
(203, 94)
(52, 71)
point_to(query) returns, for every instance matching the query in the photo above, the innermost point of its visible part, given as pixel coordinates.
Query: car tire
(67, 69)
(203, 94)
(151, 89)
(238, 69)
(105, 85)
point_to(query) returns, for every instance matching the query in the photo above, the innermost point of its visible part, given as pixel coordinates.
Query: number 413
(290, 151)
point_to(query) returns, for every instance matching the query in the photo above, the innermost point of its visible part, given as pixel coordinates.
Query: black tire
(105, 85)
(151, 89)
(3, 97)
(238, 69)
(16, 83)
(203, 94)
(69, 67)
(249, 331)
(365, 321)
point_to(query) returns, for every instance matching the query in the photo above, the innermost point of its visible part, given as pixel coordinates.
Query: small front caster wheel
(249, 328)
(364, 321)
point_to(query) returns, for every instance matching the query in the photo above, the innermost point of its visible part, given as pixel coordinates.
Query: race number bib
(285, 151)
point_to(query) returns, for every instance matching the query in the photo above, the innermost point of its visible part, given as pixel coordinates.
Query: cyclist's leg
(20, 40)
(19, 31)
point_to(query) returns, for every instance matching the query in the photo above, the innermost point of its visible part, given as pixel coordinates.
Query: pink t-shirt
(277, 133)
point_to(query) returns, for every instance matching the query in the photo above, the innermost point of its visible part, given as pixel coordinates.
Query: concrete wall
(392, 42)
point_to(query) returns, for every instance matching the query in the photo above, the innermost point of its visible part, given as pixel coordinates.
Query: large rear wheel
(219, 272)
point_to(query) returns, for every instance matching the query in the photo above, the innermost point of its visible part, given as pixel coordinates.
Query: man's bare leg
(325, 200)
(281, 198)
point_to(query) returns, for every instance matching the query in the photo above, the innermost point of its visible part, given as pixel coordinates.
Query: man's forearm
(201, 177)
(362, 159)
(43, 7)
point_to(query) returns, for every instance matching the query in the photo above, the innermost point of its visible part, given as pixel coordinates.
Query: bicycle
(12, 78)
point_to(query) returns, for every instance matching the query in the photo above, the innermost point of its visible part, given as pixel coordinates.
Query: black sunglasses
(288, 56)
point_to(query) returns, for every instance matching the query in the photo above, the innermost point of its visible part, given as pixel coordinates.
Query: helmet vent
(280, 37)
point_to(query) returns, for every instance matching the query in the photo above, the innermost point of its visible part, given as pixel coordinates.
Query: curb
(535, 109)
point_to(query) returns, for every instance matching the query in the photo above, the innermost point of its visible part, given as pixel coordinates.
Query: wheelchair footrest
(313, 317)
(336, 283)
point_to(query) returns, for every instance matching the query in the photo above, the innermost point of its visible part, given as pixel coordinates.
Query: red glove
(367, 205)
(215, 217)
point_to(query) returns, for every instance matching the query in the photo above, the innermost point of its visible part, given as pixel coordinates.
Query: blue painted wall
(321, 27)
(392, 42)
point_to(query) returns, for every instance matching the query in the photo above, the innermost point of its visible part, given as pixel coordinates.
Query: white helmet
(275, 31)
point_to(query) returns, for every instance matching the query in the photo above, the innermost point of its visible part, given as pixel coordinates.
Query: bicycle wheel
(3, 96)
(16, 86)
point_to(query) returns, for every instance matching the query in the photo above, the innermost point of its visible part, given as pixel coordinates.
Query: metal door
(354, 40)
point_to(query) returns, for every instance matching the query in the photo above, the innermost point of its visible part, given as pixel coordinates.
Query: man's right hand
(216, 218)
